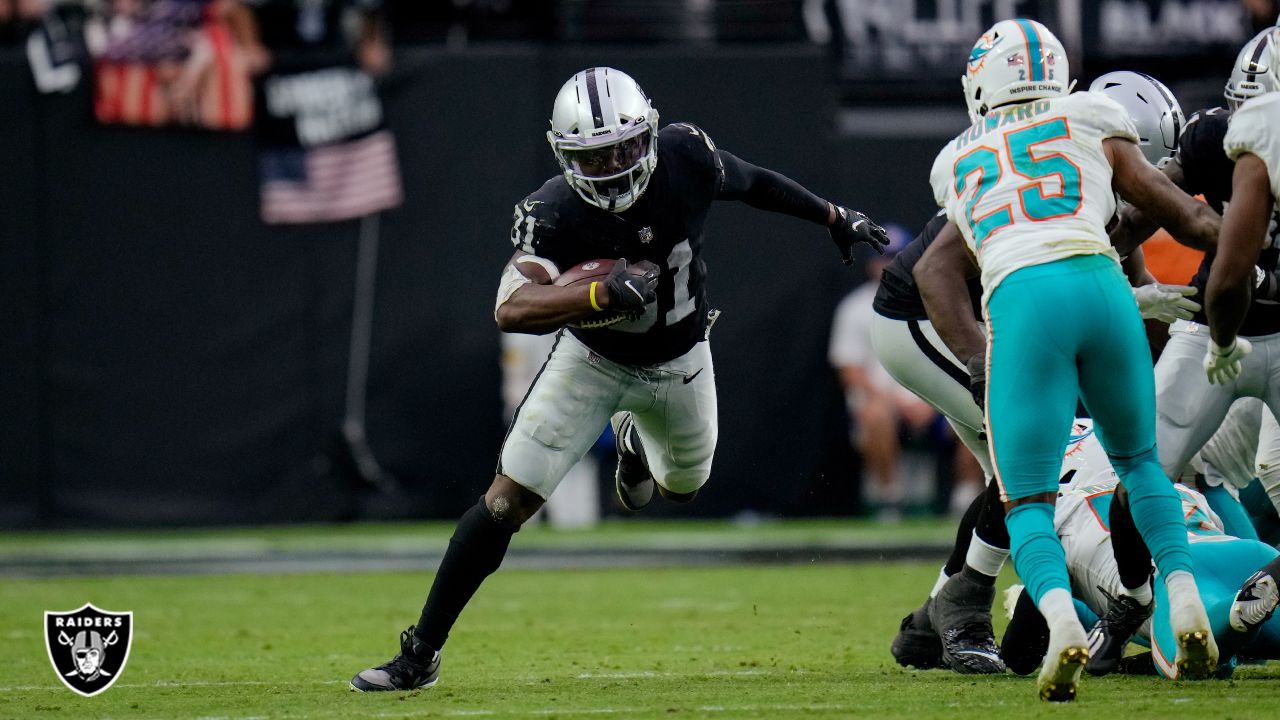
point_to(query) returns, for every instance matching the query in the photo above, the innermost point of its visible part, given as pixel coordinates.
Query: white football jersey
(1255, 128)
(1030, 183)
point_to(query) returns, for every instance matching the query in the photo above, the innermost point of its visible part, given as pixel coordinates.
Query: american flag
(174, 64)
(330, 182)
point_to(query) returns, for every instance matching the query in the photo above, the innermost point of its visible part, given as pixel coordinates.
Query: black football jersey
(1207, 171)
(898, 297)
(664, 227)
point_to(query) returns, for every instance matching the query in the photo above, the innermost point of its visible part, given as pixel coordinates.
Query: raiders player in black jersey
(633, 192)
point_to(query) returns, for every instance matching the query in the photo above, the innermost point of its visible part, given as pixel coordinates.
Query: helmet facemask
(611, 176)
(604, 132)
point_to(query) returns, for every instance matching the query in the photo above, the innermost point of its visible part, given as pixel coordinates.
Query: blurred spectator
(17, 17)
(576, 501)
(162, 62)
(883, 412)
(326, 153)
(1262, 13)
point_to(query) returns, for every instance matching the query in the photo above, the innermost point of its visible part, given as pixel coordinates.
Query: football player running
(628, 190)
(1031, 186)
(953, 627)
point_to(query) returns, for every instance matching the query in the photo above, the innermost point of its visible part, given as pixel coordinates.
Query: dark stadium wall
(167, 359)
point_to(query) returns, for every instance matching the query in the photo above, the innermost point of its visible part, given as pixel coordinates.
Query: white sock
(1141, 594)
(986, 559)
(1058, 609)
(1179, 582)
(942, 580)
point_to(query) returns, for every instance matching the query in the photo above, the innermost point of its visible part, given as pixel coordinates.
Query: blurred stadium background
(170, 359)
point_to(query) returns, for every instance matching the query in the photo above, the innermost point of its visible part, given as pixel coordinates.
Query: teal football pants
(1060, 331)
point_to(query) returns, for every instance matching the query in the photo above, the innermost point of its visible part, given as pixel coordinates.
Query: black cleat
(917, 644)
(634, 483)
(961, 614)
(415, 666)
(1113, 631)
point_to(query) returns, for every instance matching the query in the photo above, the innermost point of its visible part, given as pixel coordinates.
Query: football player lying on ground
(1239, 601)
(953, 627)
(632, 345)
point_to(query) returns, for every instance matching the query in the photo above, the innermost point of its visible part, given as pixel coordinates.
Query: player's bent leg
(1031, 398)
(632, 480)
(1039, 558)
(475, 551)
(1117, 387)
(677, 424)
(960, 610)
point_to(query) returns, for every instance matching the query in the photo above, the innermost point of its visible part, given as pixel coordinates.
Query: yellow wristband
(592, 295)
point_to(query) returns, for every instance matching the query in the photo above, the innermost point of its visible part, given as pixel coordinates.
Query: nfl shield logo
(88, 647)
(646, 234)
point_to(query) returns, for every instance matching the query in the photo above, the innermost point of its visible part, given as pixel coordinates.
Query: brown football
(584, 274)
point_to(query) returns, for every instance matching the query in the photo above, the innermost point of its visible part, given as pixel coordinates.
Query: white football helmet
(604, 132)
(1015, 60)
(1155, 111)
(1257, 69)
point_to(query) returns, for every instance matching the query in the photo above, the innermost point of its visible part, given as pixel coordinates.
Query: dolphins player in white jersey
(1031, 185)
(953, 627)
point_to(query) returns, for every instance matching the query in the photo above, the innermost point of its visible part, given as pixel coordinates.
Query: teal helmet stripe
(1034, 51)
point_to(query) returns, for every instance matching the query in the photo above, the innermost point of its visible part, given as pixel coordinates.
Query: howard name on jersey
(664, 227)
(1207, 170)
(1025, 164)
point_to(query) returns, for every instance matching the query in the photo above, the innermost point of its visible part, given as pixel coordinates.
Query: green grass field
(723, 642)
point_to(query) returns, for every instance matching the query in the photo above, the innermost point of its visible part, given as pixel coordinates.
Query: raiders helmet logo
(88, 647)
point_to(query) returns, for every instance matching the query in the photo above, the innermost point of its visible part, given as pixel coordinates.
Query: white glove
(1223, 363)
(1166, 303)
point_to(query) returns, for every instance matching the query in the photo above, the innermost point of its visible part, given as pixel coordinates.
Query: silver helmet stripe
(1254, 61)
(593, 94)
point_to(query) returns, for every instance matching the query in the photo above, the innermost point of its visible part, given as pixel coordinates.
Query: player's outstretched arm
(768, 190)
(1244, 230)
(942, 274)
(1132, 226)
(529, 303)
(1190, 221)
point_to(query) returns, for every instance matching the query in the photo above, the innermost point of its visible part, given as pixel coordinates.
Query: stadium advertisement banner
(1163, 28)
(922, 39)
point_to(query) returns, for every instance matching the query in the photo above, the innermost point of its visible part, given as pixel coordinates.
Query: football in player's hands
(628, 287)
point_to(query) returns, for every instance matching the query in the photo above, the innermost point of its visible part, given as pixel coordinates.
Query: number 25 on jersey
(985, 166)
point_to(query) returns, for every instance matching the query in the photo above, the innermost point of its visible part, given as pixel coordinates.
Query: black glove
(851, 228)
(631, 288)
(977, 367)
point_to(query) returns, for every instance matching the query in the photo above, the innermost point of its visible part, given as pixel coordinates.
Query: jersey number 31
(1020, 154)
